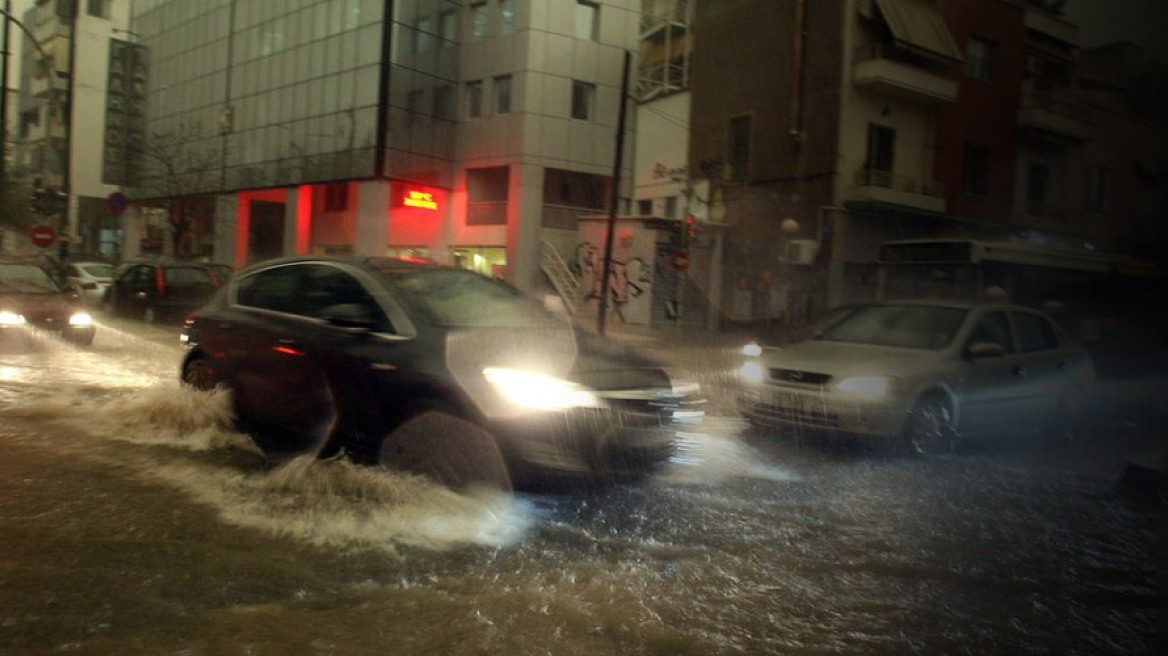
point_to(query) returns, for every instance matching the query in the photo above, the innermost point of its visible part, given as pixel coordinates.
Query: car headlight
(752, 372)
(868, 386)
(11, 318)
(752, 350)
(537, 391)
(81, 319)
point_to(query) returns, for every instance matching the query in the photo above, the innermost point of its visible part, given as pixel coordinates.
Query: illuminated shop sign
(421, 199)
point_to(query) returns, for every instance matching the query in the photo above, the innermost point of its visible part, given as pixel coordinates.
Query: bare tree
(181, 164)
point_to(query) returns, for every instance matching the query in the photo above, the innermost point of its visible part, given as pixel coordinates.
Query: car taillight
(159, 282)
(89, 286)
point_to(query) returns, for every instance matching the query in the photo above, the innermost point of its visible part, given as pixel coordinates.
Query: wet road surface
(134, 520)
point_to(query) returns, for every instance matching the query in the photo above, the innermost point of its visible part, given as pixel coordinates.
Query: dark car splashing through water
(433, 370)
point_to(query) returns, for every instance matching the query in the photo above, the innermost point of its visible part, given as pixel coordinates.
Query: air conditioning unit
(802, 251)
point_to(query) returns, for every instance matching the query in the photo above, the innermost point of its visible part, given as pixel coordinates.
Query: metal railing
(908, 184)
(566, 283)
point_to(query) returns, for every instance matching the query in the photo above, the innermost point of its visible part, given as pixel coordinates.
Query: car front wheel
(199, 374)
(930, 430)
(437, 444)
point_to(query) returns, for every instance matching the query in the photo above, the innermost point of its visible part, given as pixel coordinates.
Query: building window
(645, 207)
(336, 197)
(98, 8)
(1037, 179)
(738, 149)
(478, 21)
(444, 102)
(977, 170)
(671, 207)
(503, 94)
(1101, 189)
(583, 98)
(448, 24)
(980, 57)
(423, 35)
(881, 150)
(587, 20)
(486, 195)
(507, 10)
(474, 98)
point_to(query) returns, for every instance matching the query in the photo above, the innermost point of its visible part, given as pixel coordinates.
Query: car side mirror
(349, 315)
(979, 350)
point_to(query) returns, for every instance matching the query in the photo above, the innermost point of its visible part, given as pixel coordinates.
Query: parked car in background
(921, 375)
(31, 299)
(432, 370)
(89, 280)
(161, 291)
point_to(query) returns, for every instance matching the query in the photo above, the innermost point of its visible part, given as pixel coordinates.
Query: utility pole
(614, 199)
(4, 99)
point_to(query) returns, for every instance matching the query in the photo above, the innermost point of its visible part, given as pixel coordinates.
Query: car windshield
(904, 326)
(454, 298)
(26, 278)
(98, 270)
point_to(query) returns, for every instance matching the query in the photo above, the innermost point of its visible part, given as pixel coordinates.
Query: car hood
(37, 305)
(839, 359)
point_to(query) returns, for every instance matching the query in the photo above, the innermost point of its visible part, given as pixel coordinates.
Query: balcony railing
(676, 12)
(1052, 103)
(889, 52)
(904, 183)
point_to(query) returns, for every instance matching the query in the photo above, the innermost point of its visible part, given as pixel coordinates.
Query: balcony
(890, 70)
(1046, 113)
(887, 188)
(1051, 26)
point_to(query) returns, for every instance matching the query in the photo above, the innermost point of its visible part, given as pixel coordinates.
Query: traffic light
(689, 231)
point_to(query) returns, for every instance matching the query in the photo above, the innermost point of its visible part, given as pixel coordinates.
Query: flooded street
(134, 520)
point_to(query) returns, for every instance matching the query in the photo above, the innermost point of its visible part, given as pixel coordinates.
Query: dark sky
(1108, 21)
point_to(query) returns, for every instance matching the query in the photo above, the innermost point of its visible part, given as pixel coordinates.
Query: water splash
(334, 503)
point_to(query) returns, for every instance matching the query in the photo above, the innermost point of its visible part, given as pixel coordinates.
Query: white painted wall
(662, 142)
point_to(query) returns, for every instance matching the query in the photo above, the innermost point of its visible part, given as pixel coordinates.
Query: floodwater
(134, 520)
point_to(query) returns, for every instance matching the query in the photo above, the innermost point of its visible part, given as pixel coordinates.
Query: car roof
(379, 263)
(954, 304)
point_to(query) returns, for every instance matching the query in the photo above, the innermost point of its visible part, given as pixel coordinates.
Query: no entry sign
(43, 236)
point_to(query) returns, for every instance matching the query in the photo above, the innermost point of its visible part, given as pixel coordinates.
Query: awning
(917, 25)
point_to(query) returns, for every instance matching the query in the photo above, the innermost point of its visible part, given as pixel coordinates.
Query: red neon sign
(420, 199)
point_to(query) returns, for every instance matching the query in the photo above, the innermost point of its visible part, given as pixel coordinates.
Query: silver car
(89, 280)
(921, 375)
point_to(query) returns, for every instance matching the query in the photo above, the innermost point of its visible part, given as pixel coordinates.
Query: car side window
(326, 286)
(143, 277)
(1035, 333)
(994, 328)
(271, 289)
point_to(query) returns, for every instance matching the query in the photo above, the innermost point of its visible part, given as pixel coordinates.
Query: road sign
(117, 202)
(680, 261)
(43, 236)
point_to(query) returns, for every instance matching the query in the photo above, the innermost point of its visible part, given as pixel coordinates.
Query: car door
(359, 364)
(139, 291)
(275, 382)
(1044, 362)
(991, 382)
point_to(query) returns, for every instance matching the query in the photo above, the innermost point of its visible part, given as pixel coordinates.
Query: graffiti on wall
(630, 281)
